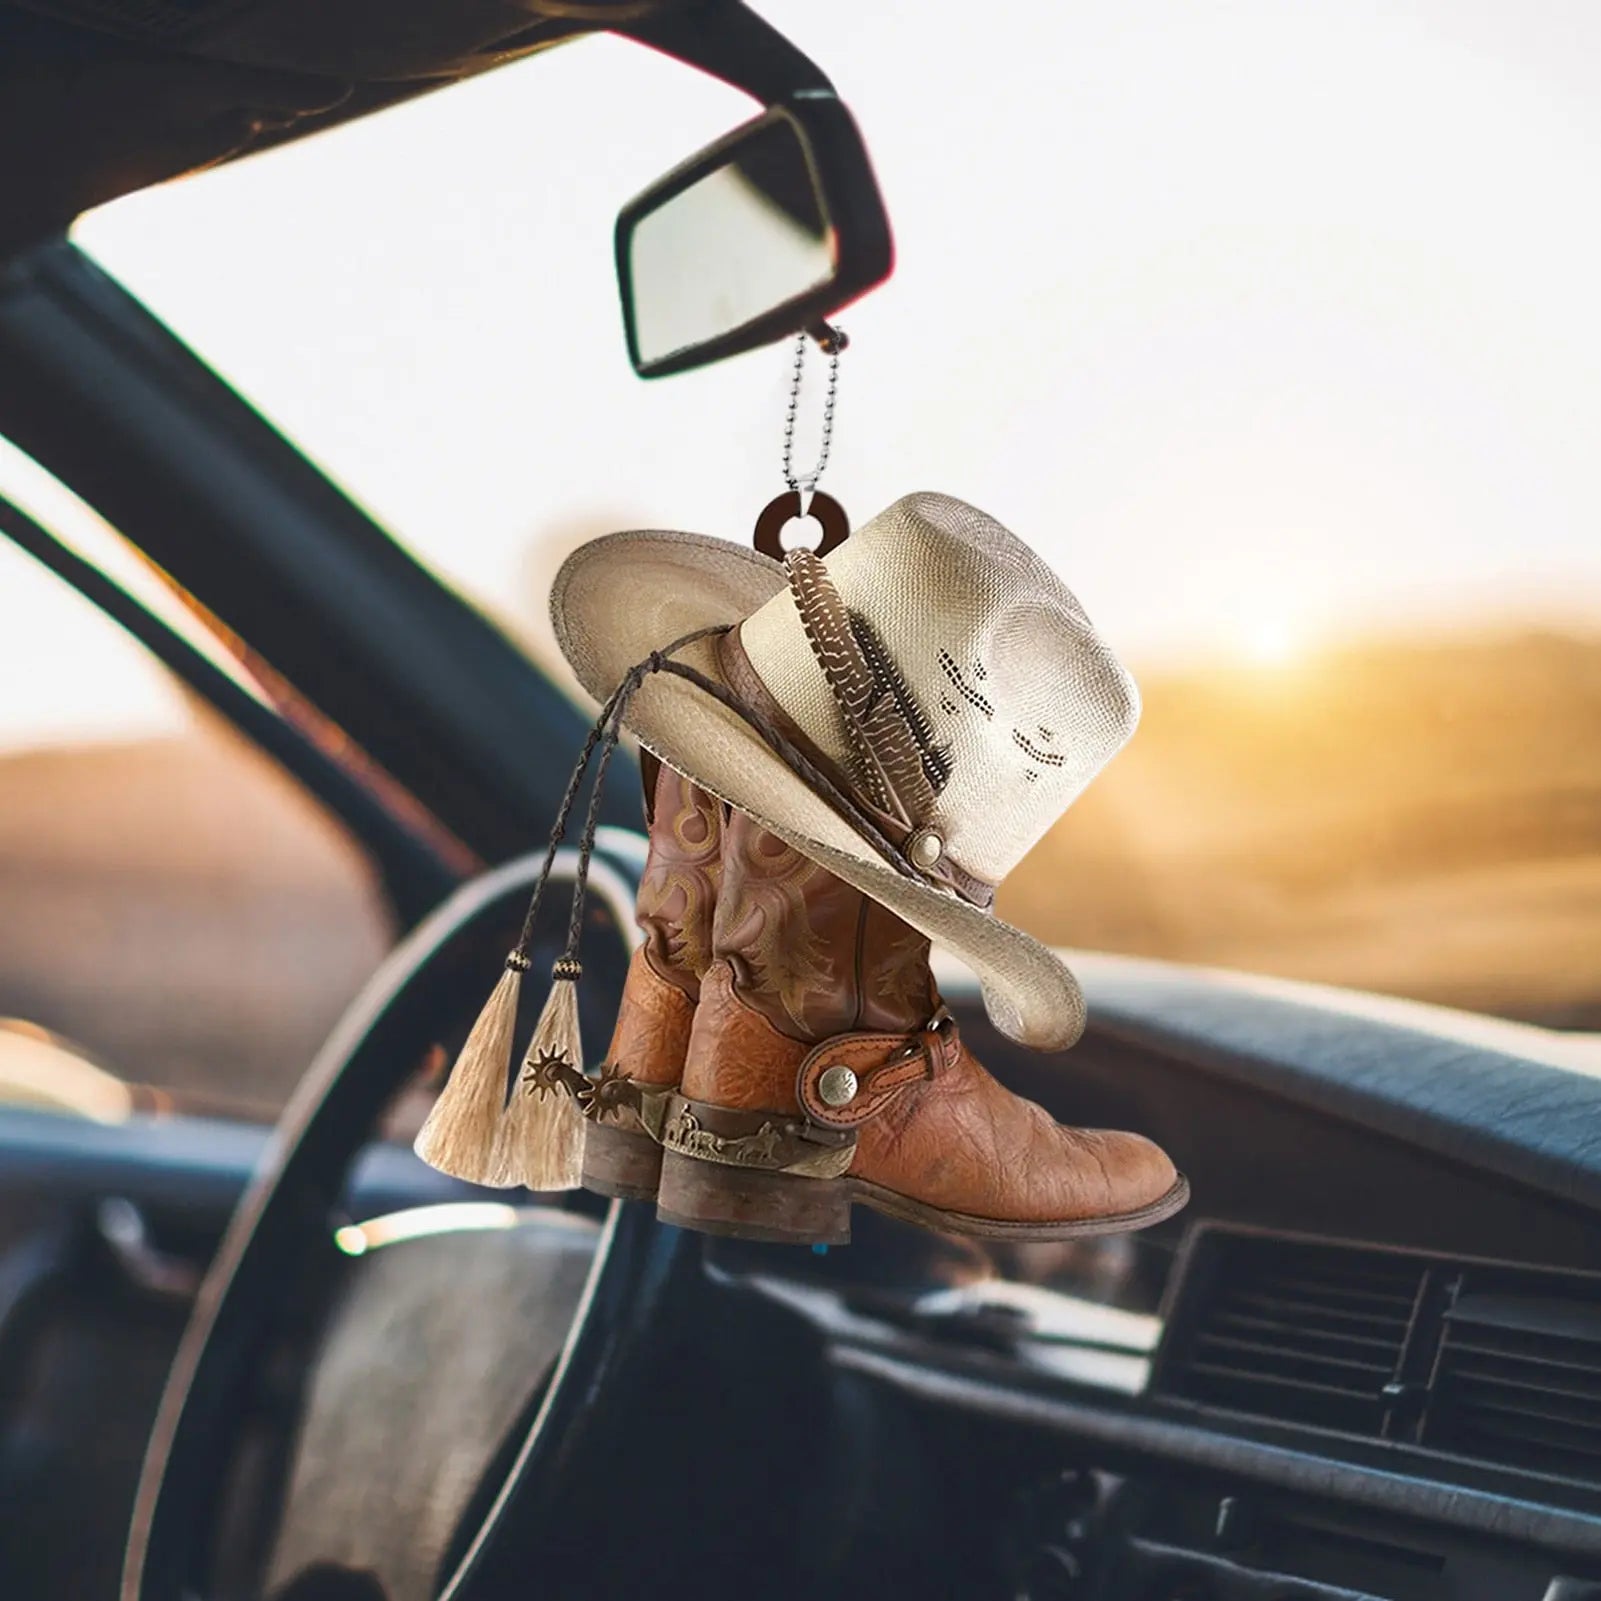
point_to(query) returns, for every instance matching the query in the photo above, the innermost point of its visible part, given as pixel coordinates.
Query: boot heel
(621, 1163)
(749, 1204)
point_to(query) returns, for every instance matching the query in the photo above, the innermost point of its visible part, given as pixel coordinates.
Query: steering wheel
(620, 1286)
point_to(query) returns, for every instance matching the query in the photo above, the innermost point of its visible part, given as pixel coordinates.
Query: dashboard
(1364, 1366)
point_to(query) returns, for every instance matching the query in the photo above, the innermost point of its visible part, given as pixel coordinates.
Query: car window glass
(1273, 329)
(174, 910)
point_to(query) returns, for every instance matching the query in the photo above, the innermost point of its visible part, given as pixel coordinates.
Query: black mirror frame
(864, 252)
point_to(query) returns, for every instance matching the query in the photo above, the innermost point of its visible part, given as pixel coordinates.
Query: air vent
(1293, 1330)
(1518, 1379)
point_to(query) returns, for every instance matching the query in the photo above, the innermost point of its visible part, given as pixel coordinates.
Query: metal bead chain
(808, 481)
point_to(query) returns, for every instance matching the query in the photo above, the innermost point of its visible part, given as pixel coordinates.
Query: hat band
(759, 707)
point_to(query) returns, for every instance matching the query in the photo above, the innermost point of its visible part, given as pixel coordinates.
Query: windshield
(1273, 329)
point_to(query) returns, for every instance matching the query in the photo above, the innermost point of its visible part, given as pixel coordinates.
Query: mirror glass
(739, 241)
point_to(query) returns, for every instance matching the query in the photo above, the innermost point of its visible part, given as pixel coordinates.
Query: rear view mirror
(769, 230)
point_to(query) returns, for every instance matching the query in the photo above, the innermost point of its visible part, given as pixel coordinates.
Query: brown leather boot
(823, 1069)
(645, 1061)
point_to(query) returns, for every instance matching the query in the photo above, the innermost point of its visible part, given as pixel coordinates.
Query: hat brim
(620, 597)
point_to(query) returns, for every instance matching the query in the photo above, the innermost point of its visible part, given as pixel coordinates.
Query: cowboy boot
(823, 1069)
(646, 1058)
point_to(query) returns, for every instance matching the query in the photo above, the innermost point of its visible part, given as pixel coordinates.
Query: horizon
(107, 691)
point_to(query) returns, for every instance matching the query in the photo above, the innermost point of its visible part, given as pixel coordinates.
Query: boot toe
(1142, 1170)
(1118, 1172)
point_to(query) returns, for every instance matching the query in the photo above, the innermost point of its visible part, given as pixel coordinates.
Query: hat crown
(1023, 701)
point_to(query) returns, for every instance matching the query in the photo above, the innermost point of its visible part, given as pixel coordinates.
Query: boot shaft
(677, 897)
(683, 870)
(810, 954)
(798, 956)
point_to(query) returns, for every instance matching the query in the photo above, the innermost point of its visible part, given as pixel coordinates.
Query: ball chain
(808, 481)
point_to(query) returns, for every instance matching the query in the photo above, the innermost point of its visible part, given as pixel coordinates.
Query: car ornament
(911, 714)
(536, 1138)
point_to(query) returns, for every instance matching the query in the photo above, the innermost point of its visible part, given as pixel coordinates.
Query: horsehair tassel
(538, 1140)
(462, 1134)
(544, 1132)
(465, 1133)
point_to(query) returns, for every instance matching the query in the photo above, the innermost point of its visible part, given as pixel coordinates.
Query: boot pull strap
(851, 1078)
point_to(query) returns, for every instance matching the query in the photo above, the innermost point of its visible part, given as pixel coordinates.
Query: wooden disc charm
(777, 513)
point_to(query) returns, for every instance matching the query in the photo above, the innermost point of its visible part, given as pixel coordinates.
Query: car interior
(250, 1346)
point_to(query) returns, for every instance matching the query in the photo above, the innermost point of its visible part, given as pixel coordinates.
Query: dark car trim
(101, 394)
(416, 876)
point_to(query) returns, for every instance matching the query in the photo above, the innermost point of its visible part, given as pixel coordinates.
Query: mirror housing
(768, 230)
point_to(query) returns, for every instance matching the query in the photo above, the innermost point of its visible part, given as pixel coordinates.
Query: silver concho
(837, 1086)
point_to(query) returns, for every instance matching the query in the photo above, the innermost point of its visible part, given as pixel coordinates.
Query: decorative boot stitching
(858, 968)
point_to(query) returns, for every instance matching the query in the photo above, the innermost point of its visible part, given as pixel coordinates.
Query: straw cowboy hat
(912, 713)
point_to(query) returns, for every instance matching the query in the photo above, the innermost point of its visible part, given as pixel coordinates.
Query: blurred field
(1418, 819)
(1424, 821)
(180, 908)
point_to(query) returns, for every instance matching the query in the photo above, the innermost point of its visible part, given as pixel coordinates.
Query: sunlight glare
(1270, 641)
(1323, 345)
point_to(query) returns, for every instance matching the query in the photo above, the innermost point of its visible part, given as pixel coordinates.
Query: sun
(1269, 642)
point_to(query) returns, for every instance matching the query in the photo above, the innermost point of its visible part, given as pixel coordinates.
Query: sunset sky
(1264, 324)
